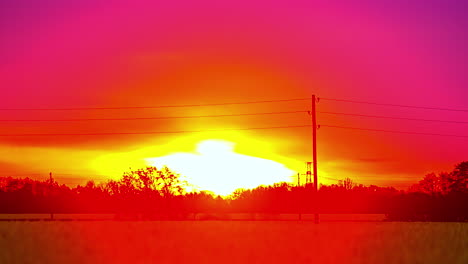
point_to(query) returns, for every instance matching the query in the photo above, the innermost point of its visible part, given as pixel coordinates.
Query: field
(232, 242)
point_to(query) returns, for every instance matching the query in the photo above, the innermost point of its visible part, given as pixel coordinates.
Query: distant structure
(308, 173)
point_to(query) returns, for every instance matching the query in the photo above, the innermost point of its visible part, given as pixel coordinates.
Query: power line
(395, 131)
(153, 132)
(398, 118)
(228, 129)
(22, 174)
(395, 105)
(328, 178)
(152, 107)
(78, 175)
(148, 118)
(228, 103)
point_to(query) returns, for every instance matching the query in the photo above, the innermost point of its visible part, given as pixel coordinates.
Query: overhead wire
(153, 107)
(151, 132)
(397, 118)
(225, 115)
(394, 131)
(328, 178)
(150, 118)
(227, 129)
(394, 105)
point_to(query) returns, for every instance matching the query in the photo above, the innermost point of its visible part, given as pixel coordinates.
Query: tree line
(161, 194)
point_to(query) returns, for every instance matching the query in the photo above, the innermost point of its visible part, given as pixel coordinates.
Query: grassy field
(232, 242)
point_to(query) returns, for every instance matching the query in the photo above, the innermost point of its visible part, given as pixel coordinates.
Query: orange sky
(101, 55)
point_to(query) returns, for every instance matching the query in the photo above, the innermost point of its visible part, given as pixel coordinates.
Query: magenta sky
(97, 53)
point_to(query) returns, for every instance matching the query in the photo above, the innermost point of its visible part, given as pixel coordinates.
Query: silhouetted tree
(430, 184)
(164, 181)
(347, 184)
(458, 179)
(111, 187)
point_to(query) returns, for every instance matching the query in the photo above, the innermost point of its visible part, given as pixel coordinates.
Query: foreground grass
(232, 242)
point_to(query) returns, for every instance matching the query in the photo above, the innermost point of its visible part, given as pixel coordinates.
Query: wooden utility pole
(314, 156)
(298, 186)
(51, 180)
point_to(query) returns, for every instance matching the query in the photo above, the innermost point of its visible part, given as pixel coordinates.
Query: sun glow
(216, 167)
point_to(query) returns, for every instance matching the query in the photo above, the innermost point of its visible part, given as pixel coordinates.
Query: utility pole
(298, 186)
(51, 180)
(314, 156)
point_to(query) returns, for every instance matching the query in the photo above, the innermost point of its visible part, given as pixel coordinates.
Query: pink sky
(100, 54)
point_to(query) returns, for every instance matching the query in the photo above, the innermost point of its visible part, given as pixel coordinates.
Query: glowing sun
(217, 168)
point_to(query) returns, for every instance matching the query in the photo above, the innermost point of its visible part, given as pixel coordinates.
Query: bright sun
(216, 167)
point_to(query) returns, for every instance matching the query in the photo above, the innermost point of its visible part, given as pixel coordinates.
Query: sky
(91, 54)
